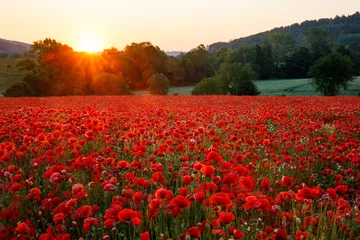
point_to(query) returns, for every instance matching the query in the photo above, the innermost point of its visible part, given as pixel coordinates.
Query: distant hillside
(173, 53)
(7, 46)
(345, 30)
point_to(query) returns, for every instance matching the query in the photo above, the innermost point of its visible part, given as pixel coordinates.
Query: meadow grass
(300, 87)
(9, 73)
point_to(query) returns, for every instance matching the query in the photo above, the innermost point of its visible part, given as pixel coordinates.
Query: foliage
(297, 65)
(19, 89)
(331, 73)
(110, 84)
(318, 41)
(139, 61)
(337, 27)
(196, 64)
(208, 86)
(158, 84)
(240, 79)
(282, 45)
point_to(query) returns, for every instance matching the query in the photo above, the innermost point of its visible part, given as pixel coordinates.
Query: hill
(345, 30)
(173, 53)
(7, 46)
(9, 73)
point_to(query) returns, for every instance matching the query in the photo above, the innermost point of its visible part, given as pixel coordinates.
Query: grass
(280, 87)
(9, 74)
(299, 87)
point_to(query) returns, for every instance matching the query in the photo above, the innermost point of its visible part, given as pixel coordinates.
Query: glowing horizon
(89, 43)
(173, 26)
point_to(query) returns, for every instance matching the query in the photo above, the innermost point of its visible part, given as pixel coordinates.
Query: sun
(89, 44)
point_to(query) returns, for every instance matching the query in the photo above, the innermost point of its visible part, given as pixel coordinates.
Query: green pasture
(9, 74)
(299, 87)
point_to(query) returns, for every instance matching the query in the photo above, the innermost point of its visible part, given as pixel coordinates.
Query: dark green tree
(240, 79)
(319, 42)
(268, 67)
(109, 84)
(297, 66)
(331, 73)
(158, 84)
(208, 86)
(283, 47)
(197, 65)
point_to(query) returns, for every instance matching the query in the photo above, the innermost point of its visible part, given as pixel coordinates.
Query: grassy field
(9, 74)
(282, 87)
(299, 87)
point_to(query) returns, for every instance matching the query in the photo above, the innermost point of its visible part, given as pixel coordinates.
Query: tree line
(343, 29)
(59, 70)
(330, 65)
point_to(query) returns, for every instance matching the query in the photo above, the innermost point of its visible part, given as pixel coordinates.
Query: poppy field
(180, 167)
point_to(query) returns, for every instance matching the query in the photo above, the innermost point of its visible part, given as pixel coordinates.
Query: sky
(171, 25)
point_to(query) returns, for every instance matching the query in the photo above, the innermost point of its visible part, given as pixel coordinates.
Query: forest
(58, 70)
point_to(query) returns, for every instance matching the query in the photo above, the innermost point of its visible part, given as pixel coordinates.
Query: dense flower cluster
(180, 168)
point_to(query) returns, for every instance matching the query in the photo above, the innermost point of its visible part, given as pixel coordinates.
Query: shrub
(331, 73)
(110, 84)
(240, 80)
(20, 89)
(208, 86)
(158, 84)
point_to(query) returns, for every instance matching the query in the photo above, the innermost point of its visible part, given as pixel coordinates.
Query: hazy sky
(172, 25)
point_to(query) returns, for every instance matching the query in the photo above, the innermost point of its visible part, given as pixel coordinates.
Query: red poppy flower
(220, 198)
(14, 187)
(110, 187)
(58, 218)
(22, 228)
(145, 236)
(308, 193)
(110, 223)
(156, 167)
(193, 232)
(180, 202)
(82, 212)
(226, 217)
(207, 170)
(129, 214)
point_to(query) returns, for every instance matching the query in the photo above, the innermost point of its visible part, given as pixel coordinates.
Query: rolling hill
(345, 30)
(8, 46)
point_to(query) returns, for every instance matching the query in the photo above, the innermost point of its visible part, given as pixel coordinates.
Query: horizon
(92, 26)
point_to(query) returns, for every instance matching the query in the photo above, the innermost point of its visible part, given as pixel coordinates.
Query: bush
(18, 90)
(208, 86)
(331, 73)
(158, 84)
(110, 84)
(240, 80)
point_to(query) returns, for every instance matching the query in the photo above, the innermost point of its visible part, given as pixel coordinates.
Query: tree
(110, 84)
(283, 47)
(20, 89)
(196, 63)
(332, 72)
(297, 66)
(267, 67)
(158, 84)
(208, 86)
(56, 71)
(240, 79)
(318, 41)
